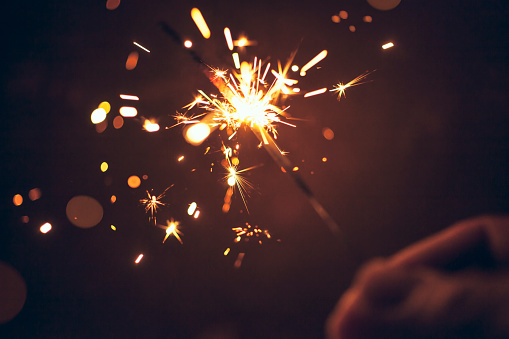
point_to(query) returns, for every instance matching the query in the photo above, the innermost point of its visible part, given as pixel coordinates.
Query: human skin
(454, 284)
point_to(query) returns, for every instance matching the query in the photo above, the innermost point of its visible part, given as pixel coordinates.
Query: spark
(180, 158)
(236, 60)
(152, 202)
(200, 22)
(137, 261)
(228, 37)
(319, 57)
(150, 126)
(140, 46)
(318, 91)
(249, 233)
(340, 88)
(171, 228)
(45, 228)
(192, 208)
(388, 45)
(226, 251)
(129, 97)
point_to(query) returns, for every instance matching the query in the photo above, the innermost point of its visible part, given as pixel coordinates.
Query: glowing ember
(45, 228)
(388, 45)
(137, 261)
(140, 46)
(128, 112)
(17, 200)
(320, 56)
(340, 88)
(200, 22)
(171, 228)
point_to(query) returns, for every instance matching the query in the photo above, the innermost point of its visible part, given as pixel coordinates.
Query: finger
(470, 239)
(425, 303)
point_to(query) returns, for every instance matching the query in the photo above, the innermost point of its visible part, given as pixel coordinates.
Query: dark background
(421, 146)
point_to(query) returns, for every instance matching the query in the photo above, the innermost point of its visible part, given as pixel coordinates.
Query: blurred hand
(454, 284)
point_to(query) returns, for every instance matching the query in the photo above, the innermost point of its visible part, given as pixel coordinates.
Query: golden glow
(172, 229)
(228, 36)
(118, 122)
(140, 46)
(98, 115)
(200, 22)
(113, 228)
(104, 167)
(196, 134)
(150, 126)
(319, 57)
(137, 261)
(340, 88)
(132, 61)
(188, 44)
(295, 169)
(128, 112)
(226, 251)
(106, 106)
(388, 45)
(180, 158)
(236, 60)
(192, 208)
(324, 159)
(134, 181)
(17, 200)
(34, 194)
(113, 199)
(318, 91)
(129, 97)
(45, 228)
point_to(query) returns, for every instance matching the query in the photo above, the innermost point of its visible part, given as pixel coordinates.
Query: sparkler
(171, 228)
(152, 202)
(340, 88)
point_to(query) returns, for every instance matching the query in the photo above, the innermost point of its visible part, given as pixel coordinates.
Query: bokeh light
(197, 133)
(25, 219)
(17, 200)
(112, 4)
(104, 166)
(352, 28)
(84, 211)
(295, 68)
(128, 111)
(336, 19)
(138, 259)
(192, 208)
(113, 199)
(34, 194)
(45, 228)
(134, 181)
(328, 133)
(13, 292)
(324, 159)
(105, 106)
(150, 126)
(188, 44)
(384, 5)
(367, 19)
(98, 115)
(118, 122)
(132, 61)
(343, 15)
